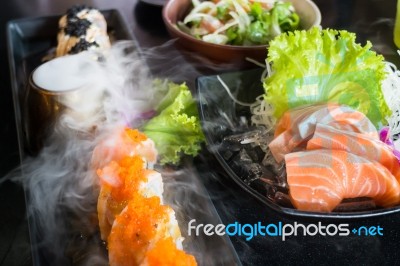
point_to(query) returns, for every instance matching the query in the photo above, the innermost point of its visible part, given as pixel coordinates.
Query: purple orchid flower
(384, 136)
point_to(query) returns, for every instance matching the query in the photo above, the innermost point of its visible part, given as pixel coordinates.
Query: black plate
(28, 41)
(216, 108)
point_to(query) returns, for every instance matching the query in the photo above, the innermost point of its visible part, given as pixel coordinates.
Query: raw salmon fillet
(297, 126)
(327, 137)
(320, 179)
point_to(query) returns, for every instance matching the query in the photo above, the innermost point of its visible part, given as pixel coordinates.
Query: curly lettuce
(176, 129)
(320, 66)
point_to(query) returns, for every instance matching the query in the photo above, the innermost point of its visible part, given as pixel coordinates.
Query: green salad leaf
(176, 129)
(266, 24)
(284, 17)
(222, 12)
(320, 66)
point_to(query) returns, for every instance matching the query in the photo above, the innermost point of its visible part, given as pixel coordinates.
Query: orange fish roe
(123, 142)
(141, 223)
(137, 142)
(134, 135)
(131, 220)
(165, 253)
(129, 173)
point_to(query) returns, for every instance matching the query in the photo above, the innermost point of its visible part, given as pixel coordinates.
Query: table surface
(372, 20)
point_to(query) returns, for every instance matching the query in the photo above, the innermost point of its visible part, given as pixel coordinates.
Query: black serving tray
(28, 41)
(216, 108)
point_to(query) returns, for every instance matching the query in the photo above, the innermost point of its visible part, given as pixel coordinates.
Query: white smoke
(116, 89)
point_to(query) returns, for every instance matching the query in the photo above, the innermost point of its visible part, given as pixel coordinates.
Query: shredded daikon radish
(230, 94)
(224, 115)
(242, 13)
(202, 7)
(391, 90)
(268, 69)
(198, 31)
(251, 60)
(226, 26)
(194, 17)
(236, 17)
(262, 114)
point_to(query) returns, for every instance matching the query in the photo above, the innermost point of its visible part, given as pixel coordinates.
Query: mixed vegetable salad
(239, 22)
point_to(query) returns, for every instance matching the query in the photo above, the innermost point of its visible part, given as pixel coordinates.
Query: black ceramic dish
(216, 108)
(28, 41)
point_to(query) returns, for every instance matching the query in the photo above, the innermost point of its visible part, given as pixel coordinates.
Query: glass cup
(43, 110)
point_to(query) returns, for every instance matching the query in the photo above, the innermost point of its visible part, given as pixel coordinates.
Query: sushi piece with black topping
(82, 28)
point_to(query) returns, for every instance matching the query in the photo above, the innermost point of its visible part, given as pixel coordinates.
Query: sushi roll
(138, 231)
(122, 161)
(122, 142)
(121, 182)
(81, 29)
(133, 219)
(171, 255)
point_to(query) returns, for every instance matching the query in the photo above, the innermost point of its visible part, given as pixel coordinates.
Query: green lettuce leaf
(283, 15)
(320, 66)
(176, 129)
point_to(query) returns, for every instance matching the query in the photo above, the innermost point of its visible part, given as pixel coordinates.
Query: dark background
(371, 19)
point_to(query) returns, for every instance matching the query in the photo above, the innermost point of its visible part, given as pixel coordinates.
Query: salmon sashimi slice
(326, 137)
(320, 179)
(297, 126)
(142, 223)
